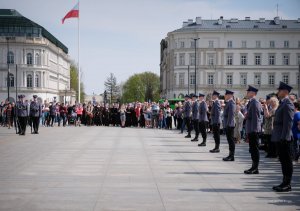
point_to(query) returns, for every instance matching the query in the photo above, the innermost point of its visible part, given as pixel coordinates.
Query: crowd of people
(271, 124)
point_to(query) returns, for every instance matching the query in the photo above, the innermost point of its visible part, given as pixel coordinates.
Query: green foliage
(141, 87)
(74, 82)
(112, 88)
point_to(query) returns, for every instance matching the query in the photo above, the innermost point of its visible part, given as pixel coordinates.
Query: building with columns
(35, 61)
(230, 54)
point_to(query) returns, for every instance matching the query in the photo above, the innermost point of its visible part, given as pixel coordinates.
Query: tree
(74, 82)
(141, 87)
(112, 88)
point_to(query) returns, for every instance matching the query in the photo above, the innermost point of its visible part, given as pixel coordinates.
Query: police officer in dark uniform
(187, 111)
(282, 134)
(202, 119)
(22, 112)
(216, 121)
(253, 127)
(229, 123)
(195, 117)
(35, 113)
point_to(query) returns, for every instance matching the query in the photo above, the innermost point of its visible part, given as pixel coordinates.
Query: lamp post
(195, 43)
(188, 79)
(8, 70)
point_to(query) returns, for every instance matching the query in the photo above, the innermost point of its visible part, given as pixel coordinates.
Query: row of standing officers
(195, 115)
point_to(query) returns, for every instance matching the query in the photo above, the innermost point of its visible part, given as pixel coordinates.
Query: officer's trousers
(230, 140)
(254, 148)
(216, 134)
(285, 149)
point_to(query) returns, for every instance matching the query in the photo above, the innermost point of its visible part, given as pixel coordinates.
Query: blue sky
(123, 36)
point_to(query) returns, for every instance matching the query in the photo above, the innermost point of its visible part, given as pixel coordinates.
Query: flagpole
(79, 72)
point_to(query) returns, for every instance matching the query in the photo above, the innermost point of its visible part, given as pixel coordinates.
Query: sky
(123, 36)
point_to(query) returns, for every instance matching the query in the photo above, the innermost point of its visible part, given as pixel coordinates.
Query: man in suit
(253, 127)
(195, 116)
(282, 134)
(202, 119)
(229, 123)
(35, 113)
(216, 121)
(187, 114)
(22, 112)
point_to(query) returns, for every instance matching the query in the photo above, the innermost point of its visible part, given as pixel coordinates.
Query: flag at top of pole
(73, 13)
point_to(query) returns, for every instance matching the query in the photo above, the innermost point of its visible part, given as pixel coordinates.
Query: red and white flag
(73, 13)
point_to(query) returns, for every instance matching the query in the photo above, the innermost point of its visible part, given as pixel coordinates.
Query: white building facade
(36, 62)
(230, 54)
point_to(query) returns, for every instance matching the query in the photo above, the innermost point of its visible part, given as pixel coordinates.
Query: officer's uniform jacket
(195, 110)
(229, 114)
(35, 109)
(253, 117)
(203, 112)
(216, 112)
(22, 109)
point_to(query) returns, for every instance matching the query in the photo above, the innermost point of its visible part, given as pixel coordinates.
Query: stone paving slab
(110, 168)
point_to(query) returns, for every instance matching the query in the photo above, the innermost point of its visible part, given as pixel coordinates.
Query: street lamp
(195, 43)
(8, 71)
(188, 79)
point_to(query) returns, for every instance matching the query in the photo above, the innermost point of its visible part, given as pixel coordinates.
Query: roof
(12, 23)
(237, 25)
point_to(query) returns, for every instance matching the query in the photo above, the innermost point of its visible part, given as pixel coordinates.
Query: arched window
(10, 58)
(29, 58)
(37, 80)
(29, 80)
(37, 59)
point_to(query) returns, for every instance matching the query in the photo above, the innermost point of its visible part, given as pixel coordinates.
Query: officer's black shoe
(251, 171)
(278, 186)
(214, 151)
(195, 139)
(284, 188)
(36, 132)
(203, 144)
(229, 158)
(187, 136)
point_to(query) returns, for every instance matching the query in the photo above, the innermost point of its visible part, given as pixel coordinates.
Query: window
(175, 60)
(210, 44)
(298, 59)
(192, 58)
(272, 44)
(229, 44)
(285, 78)
(37, 81)
(298, 81)
(229, 59)
(181, 44)
(244, 44)
(29, 80)
(286, 44)
(211, 60)
(11, 81)
(175, 79)
(257, 60)
(271, 59)
(210, 79)
(193, 44)
(243, 79)
(229, 79)
(243, 59)
(192, 79)
(37, 59)
(181, 59)
(181, 79)
(29, 59)
(286, 59)
(271, 79)
(299, 44)
(257, 79)
(257, 44)
(10, 58)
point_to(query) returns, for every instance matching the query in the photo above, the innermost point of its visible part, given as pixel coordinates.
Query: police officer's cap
(35, 96)
(216, 93)
(22, 96)
(187, 96)
(194, 95)
(252, 89)
(228, 92)
(268, 97)
(284, 86)
(201, 95)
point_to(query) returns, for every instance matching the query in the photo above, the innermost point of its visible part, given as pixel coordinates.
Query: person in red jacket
(63, 114)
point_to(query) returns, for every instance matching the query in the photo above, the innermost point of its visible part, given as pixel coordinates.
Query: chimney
(220, 21)
(261, 20)
(198, 20)
(247, 19)
(190, 21)
(277, 20)
(184, 24)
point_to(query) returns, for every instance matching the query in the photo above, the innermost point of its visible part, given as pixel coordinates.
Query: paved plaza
(109, 168)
